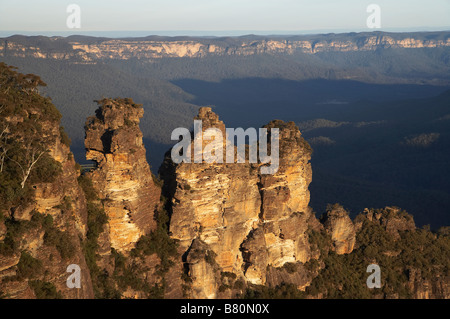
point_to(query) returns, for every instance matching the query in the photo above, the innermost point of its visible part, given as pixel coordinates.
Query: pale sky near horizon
(220, 15)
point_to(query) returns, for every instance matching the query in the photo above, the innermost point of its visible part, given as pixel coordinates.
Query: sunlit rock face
(248, 219)
(122, 176)
(338, 223)
(125, 49)
(284, 215)
(216, 203)
(63, 200)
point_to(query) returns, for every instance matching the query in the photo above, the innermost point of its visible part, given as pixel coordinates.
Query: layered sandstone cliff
(248, 220)
(122, 175)
(339, 225)
(155, 47)
(45, 235)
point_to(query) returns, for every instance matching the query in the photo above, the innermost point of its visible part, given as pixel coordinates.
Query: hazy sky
(220, 15)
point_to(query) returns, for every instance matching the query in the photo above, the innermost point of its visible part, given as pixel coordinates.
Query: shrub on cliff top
(15, 229)
(65, 139)
(118, 101)
(44, 290)
(28, 266)
(61, 240)
(282, 291)
(88, 188)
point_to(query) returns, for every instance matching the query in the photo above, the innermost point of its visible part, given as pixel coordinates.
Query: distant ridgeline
(201, 230)
(90, 49)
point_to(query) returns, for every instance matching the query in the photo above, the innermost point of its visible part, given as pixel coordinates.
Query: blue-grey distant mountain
(86, 48)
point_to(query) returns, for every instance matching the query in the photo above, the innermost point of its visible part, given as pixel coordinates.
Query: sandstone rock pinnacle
(338, 223)
(122, 177)
(248, 220)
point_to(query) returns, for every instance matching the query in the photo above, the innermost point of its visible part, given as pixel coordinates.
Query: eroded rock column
(122, 178)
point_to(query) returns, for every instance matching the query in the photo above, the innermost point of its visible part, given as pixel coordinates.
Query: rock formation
(231, 228)
(41, 237)
(215, 203)
(247, 219)
(122, 175)
(338, 223)
(236, 228)
(147, 48)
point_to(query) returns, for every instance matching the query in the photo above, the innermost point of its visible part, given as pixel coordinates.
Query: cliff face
(238, 226)
(217, 204)
(248, 220)
(44, 221)
(122, 175)
(437, 288)
(64, 201)
(156, 48)
(339, 225)
(284, 214)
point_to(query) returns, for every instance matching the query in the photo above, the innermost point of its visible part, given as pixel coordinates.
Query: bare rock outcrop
(58, 244)
(122, 176)
(286, 191)
(436, 288)
(248, 220)
(339, 225)
(203, 270)
(216, 203)
(285, 214)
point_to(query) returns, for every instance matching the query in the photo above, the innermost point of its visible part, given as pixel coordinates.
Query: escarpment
(53, 227)
(122, 175)
(90, 51)
(43, 214)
